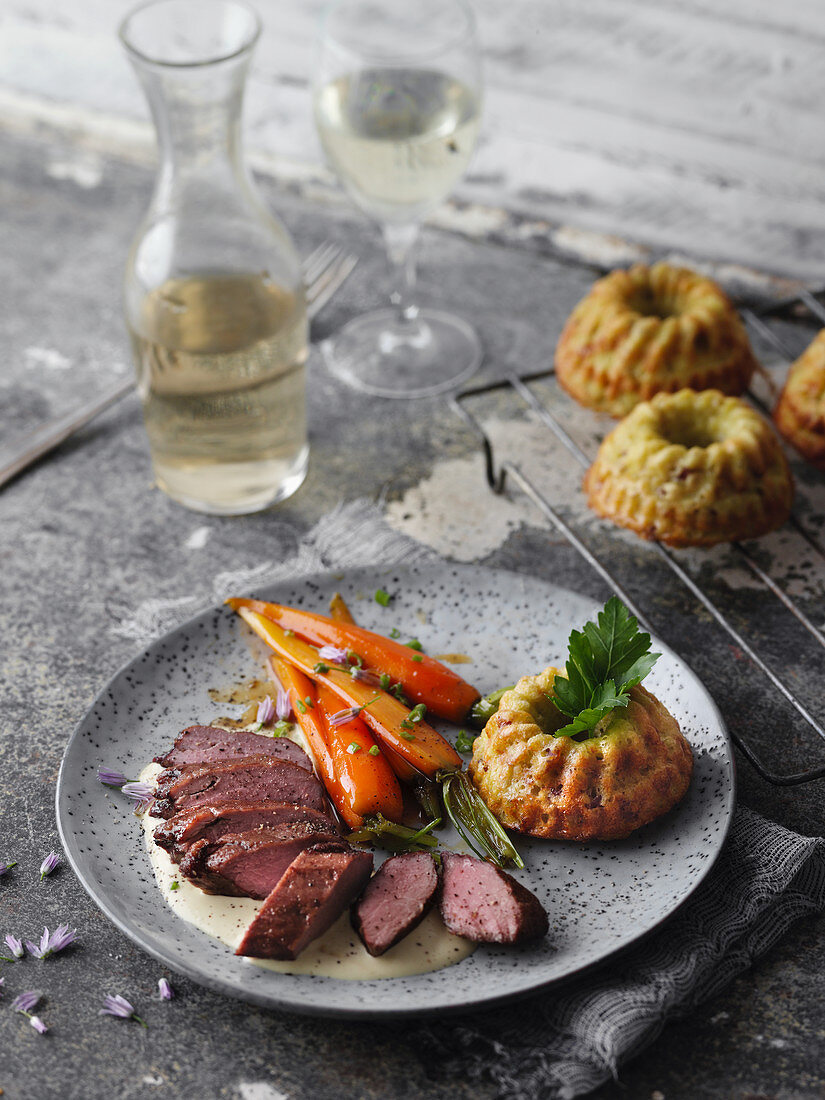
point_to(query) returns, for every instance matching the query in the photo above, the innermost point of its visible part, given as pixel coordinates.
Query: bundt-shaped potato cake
(650, 330)
(635, 767)
(692, 469)
(800, 412)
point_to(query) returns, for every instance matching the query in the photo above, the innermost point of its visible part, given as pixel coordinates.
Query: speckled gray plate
(601, 897)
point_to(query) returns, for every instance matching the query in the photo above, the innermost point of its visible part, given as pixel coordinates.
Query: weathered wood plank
(693, 125)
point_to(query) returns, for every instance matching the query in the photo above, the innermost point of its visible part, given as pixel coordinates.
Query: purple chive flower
(266, 711)
(119, 1006)
(283, 707)
(140, 792)
(342, 716)
(52, 942)
(39, 950)
(2, 982)
(7, 866)
(165, 989)
(333, 653)
(15, 946)
(365, 676)
(49, 864)
(62, 937)
(111, 778)
(25, 1002)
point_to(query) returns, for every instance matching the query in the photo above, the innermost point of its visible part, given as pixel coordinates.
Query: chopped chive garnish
(417, 713)
(407, 736)
(382, 597)
(464, 741)
(321, 667)
(308, 701)
(375, 751)
(289, 633)
(282, 729)
(417, 658)
(414, 643)
(353, 747)
(395, 633)
(174, 885)
(384, 680)
(299, 704)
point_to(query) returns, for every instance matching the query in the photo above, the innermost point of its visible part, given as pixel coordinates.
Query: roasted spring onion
(471, 817)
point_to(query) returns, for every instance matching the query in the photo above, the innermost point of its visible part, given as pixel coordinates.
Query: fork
(324, 270)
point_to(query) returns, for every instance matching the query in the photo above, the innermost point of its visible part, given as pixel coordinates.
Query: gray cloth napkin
(567, 1044)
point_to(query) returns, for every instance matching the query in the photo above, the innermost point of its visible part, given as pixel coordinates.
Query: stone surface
(91, 556)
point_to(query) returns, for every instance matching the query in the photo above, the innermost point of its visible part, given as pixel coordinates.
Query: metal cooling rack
(498, 472)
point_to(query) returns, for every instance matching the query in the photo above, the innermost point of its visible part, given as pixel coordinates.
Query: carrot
(339, 610)
(313, 727)
(363, 771)
(422, 678)
(398, 729)
(358, 783)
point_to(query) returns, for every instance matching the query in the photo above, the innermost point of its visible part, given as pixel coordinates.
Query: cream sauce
(337, 954)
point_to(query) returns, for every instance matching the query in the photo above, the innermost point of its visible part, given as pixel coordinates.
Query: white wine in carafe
(220, 361)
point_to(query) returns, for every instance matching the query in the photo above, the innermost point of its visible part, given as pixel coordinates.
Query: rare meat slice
(250, 864)
(205, 744)
(213, 822)
(396, 900)
(315, 890)
(487, 905)
(250, 779)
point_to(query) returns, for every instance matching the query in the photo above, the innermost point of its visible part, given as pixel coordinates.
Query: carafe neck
(197, 116)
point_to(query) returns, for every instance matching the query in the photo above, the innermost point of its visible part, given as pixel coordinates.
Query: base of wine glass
(382, 354)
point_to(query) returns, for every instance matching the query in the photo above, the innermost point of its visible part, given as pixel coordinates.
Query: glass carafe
(214, 298)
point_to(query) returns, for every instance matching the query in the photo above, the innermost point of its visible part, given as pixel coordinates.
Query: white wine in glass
(397, 106)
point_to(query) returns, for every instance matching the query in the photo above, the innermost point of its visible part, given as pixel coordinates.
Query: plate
(601, 897)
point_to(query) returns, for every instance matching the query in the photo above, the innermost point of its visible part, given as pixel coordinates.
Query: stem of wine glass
(399, 241)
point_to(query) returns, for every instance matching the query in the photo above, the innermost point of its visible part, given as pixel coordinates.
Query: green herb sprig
(605, 660)
(397, 838)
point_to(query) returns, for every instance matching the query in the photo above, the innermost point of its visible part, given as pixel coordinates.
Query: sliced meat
(213, 822)
(207, 744)
(250, 864)
(251, 779)
(315, 890)
(487, 905)
(397, 898)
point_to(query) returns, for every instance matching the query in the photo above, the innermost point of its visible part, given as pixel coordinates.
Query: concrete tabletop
(94, 558)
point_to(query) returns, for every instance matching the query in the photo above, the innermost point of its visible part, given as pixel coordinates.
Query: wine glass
(397, 102)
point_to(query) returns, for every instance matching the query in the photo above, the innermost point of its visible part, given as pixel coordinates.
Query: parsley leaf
(605, 659)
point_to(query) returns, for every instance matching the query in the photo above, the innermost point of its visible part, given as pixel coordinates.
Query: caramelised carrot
(359, 782)
(422, 678)
(365, 776)
(339, 610)
(300, 688)
(401, 730)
